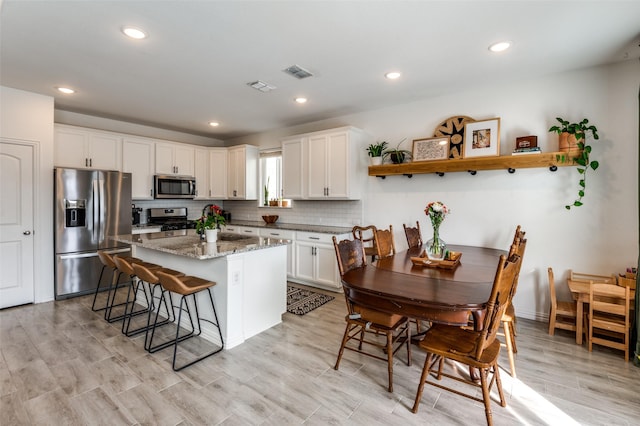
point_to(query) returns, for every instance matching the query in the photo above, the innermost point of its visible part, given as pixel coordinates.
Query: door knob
(27, 232)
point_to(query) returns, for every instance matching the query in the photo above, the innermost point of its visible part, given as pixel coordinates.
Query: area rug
(301, 301)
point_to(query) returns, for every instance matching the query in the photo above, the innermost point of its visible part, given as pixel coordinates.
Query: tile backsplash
(332, 213)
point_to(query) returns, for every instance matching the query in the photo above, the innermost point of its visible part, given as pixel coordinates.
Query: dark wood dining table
(447, 296)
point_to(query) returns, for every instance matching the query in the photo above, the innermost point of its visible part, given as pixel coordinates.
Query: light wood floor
(62, 364)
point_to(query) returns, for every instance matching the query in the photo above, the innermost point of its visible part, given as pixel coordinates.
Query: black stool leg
(198, 319)
(95, 294)
(171, 317)
(152, 349)
(126, 322)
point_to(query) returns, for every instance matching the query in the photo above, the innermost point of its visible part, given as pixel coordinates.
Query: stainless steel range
(170, 219)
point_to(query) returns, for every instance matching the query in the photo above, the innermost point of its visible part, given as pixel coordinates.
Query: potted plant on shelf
(210, 224)
(375, 151)
(579, 152)
(397, 155)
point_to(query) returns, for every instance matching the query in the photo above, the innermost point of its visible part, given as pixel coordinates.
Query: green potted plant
(397, 155)
(579, 152)
(375, 151)
(209, 224)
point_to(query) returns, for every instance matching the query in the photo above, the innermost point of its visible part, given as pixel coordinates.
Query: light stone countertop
(337, 230)
(186, 242)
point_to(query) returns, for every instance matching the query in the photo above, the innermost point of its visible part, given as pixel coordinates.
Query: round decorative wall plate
(454, 128)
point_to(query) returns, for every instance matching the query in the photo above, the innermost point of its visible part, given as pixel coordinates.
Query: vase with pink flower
(436, 247)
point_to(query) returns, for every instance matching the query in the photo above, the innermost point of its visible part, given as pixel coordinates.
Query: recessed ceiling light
(133, 32)
(500, 46)
(301, 100)
(214, 124)
(65, 90)
(392, 75)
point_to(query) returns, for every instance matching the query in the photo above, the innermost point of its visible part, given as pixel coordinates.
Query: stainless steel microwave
(167, 186)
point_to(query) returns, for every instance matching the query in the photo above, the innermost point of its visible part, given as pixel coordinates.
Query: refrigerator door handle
(101, 217)
(96, 210)
(78, 256)
(92, 254)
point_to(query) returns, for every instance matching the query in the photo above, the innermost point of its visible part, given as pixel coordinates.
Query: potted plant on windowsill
(578, 152)
(397, 155)
(375, 151)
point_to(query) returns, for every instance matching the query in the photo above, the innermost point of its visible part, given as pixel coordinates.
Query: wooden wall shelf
(509, 163)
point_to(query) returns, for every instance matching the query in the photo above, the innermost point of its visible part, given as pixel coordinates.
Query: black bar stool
(148, 274)
(186, 286)
(133, 285)
(108, 263)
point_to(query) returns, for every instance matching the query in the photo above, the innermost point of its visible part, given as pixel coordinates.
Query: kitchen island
(250, 274)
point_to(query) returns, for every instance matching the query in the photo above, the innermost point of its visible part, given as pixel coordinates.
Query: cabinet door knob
(27, 232)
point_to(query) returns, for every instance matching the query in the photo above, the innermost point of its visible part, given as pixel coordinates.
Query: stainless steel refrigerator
(90, 207)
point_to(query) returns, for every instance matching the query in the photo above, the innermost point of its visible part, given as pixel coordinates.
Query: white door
(16, 224)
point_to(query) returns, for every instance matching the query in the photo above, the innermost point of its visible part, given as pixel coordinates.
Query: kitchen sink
(232, 237)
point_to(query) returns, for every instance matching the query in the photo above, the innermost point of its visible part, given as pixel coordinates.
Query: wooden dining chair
(366, 325)
(413, 235)
(366, 234)
(385, 245)
(562, 315)
(476, 349)
(591, 278)
(509, 317)
(609, 317)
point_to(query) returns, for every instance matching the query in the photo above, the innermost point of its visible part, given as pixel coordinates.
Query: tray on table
(451, 262)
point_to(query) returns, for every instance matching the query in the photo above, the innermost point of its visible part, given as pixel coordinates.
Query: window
(270, 176)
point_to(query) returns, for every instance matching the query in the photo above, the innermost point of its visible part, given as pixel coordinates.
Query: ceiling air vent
(297, 72)
(261, 86)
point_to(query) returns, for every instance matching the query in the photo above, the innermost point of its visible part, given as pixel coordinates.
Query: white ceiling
(195, 65)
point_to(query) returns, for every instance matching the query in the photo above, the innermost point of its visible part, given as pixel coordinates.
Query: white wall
(101, 123)
(600, 237)
(28, 117)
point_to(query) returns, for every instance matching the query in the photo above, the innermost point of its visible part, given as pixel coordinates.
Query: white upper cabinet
(201, 173)
(242, 173)
(138, 156)
(218, 173)
(294, 160)
(324, 165)
(84, 148)
(175, 159)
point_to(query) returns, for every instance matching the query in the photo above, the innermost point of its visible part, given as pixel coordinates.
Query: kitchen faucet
(204, 210)
(204, 217)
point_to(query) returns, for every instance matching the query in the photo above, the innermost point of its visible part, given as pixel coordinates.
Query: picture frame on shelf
(526, 142)
(482, 138)
(431, 149)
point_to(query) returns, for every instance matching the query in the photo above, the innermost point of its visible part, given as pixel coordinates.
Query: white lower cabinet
(286, 235)
(311, 258)
(242, 230)
(315, 260)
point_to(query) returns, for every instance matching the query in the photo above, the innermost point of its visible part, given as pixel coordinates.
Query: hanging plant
(582, 158)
